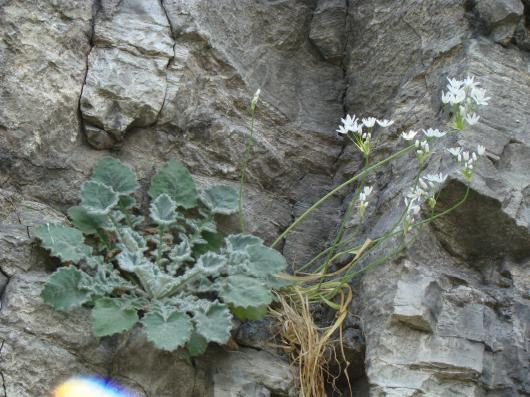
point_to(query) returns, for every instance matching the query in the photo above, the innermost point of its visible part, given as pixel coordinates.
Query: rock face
(151, 80)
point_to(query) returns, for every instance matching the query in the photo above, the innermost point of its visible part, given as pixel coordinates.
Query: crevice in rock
(2, 378)
(169, 62)
(96, 7)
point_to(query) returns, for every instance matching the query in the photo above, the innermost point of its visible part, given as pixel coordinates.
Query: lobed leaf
(221, 199)
(196, 345)
(239, 242)
(112, 315)
(211, 263)
(167, 333)
(174, 180)
(162, 210)
(86, 222)
(116, 175)
(244, 291)
(63, 242)
(98, 198)
(214, 324)
(264, 261)
(126, 203)
(62, 291)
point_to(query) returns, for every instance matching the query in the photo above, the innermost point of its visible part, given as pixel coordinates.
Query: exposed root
(312, 349)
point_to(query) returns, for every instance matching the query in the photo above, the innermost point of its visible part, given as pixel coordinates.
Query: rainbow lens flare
(89, 387)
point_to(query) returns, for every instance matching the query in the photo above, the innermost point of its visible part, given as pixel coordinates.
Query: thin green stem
(246, 159)
(337, 189)
(159, 245)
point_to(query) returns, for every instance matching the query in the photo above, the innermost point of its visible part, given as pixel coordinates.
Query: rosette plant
(172, 271)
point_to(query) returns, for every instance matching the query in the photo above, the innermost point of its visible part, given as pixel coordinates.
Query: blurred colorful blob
(89, 387)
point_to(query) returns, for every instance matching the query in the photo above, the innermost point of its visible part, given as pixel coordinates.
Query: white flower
(349, 122)
(431, 133)
(436, 178)
(479, 96)
(255, 99)
(470, 83)
(446, 98)
(457, 97)
(363, 203)
(472, 118)
(385, 123)
(409, 136)
(481, 150)
(423, 147)
(454, 83)
(342, 130)
(369, 122)
(455, 151)
(416, 194)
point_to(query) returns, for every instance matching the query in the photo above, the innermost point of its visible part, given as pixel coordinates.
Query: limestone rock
(125, 85)
(248, 372)
(501, 17)
(328, 28)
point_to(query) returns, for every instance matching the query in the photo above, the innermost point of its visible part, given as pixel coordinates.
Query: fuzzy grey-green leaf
(237, 242)
(112, 315)
(86, 222)
(98, 198)
(62, 291)
(174, 180)
(264, 261)
(196, 345)
(170, 333)
(221, 199)
(162, 210)
(63, 242)
(116, 175)
(244, 291)
(214, 324)
(211, 263)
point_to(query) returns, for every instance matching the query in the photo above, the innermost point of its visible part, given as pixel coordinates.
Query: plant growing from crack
(172, 272)
(333, 288)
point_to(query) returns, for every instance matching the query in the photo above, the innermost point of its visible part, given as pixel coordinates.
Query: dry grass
(311, 348)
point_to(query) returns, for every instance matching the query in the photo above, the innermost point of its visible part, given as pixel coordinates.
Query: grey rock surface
(328, 28)
(149, 81)
(501, 17)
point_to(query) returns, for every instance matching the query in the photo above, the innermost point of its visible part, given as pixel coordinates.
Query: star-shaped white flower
(433, 133)
(436, 178)
(472, 118)
(454, 83)
(342, 130)
(369, 122)
(385, 123)
(409, 136)
(479, 96)
(470, 83)
(455, 151)
(481, 150)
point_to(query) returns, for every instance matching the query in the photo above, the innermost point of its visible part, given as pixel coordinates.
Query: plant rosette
(171, 271)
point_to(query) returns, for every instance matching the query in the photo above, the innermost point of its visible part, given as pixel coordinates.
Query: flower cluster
(361, 130)
(422, 146)
(363, 200)
(467, 159)
(462, 96)
(424, 191)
